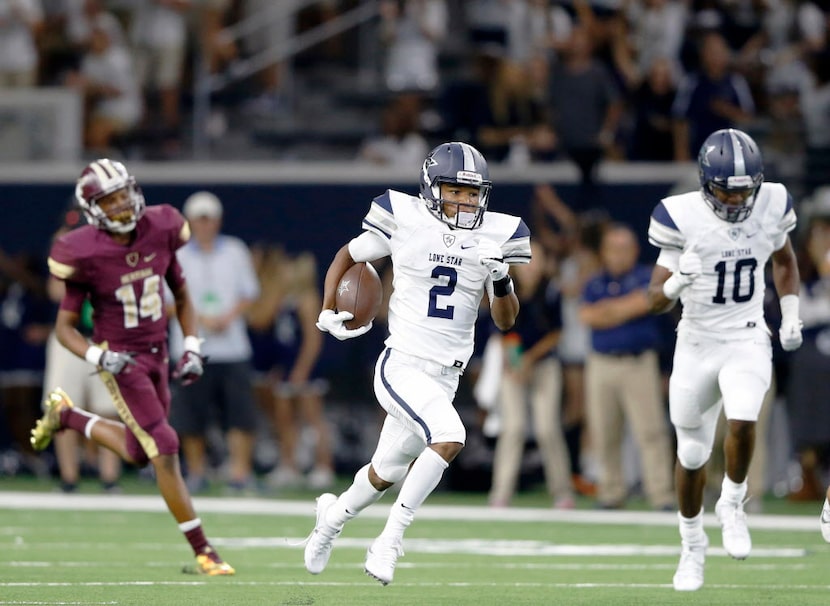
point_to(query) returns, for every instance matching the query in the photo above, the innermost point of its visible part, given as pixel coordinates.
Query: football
(359, 292)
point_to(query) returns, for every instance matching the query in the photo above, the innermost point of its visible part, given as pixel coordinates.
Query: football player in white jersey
(447, 249)
(714, 244)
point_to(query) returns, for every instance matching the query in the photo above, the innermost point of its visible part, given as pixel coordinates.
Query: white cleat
(736, 540)
(318, 547)
(381, 558)
(689, 575)
(825, 521)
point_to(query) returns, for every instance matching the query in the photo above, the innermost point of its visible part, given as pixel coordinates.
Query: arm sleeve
(669, 258)
(369, 246)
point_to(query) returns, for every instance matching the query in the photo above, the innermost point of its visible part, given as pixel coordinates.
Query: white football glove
(331, 322)
(689, 268)
(491, 256)
(790, 332)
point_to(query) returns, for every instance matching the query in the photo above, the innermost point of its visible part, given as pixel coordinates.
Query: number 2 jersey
(438, 280)
(123, 282)
(729, 294)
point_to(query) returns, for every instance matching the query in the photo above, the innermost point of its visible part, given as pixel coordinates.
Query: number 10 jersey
(729, 294)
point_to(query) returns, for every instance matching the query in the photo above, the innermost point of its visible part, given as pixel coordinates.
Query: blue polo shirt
(633, 337)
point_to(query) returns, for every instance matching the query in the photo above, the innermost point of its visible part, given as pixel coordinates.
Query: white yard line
(264, 506)
(316, 583)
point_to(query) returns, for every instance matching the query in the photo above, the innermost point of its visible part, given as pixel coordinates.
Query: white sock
(732, 492)
(190, 525)
(422, 479)
(355, 499)
(691, 529)
(93, 419)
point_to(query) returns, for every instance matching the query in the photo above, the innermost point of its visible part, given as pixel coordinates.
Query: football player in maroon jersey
(118, 263)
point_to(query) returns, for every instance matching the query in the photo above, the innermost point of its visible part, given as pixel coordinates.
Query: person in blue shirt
(622, 377)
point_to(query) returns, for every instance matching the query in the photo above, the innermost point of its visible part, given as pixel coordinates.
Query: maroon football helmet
(103, 177)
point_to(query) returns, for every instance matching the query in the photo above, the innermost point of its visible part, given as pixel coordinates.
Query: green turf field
(93, 549)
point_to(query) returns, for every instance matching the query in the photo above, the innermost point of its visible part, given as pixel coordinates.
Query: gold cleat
(56, 402)
(209, 563)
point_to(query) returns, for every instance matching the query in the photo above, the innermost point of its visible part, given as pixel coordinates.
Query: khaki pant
(620, 389)
(544, 394)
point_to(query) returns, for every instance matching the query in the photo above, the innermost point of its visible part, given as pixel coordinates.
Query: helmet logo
(449, 240)
(709, 150)
(468, 178)
(739, 181)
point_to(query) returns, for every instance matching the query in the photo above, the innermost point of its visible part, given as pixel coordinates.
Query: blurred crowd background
(531, 83)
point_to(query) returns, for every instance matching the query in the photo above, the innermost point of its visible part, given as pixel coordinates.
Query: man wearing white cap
(223, 285)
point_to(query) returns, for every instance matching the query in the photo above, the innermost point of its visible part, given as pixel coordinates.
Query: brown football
(359, 292)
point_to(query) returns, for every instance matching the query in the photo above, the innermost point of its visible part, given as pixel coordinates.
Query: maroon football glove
(189, 368)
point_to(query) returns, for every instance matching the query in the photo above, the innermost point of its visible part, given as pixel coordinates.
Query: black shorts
(223, 395)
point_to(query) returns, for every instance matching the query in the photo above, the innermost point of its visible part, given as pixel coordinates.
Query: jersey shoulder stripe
(511, 232)
(67, 255)
(381, 216)
(662, 230)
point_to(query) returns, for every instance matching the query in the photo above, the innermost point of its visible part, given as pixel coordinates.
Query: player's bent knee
(692, 453)
(454, 433)
(390, 472)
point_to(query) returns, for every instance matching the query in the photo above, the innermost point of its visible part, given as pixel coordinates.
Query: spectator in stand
(112, 97)
(711, 99)
(276, 24)
(585, 105)
(223, 285)
(400, 142)
(20, 24)
(656, 29)
(815, 108)
(412, 31)
(653, 138)
(159, 42)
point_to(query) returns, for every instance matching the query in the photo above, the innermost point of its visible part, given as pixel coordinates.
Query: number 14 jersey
(123, 281)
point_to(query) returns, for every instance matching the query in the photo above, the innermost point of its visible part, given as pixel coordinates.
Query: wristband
(193, 344)
(503, 287)
(789, 307)
(672, 287)
(93, 354)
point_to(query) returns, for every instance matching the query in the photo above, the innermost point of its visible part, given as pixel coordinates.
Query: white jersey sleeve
(729, 294)
(438, 282)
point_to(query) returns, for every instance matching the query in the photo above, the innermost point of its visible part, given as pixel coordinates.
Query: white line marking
(510, 548)
(265, 506)
(753, 587)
